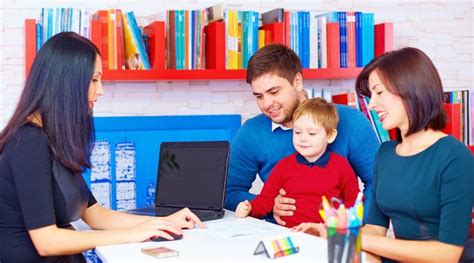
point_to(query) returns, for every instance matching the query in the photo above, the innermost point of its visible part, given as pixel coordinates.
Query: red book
(383, 38)
(103, 17)
(348, 99)
(170, 41)
(186, 40)
(274, 33)
(215, 45)
(333, 54)
(393, 134)
(287, 29)
(30, 44)
(120, 44)
(453, 127)
(156, 33)
(351, 46)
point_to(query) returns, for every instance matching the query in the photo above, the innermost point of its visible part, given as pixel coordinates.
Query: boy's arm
(263, 203)
(243, 168)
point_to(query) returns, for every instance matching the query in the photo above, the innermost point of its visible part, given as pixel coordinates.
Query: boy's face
(276, 97)
(310, 138)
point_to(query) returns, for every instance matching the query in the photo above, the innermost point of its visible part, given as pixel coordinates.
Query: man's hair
(58, 88)
(321, 111)
(410, 74)
(275, 58)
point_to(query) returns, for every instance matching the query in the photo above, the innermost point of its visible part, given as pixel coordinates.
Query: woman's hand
(184, 218)
(153, 227)
(317, 229)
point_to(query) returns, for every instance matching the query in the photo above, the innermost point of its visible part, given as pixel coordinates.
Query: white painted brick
(220, 98)
(442, 28)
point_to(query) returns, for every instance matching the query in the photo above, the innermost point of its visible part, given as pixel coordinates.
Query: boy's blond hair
(323, 112)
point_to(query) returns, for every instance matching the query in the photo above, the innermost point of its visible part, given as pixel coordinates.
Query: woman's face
(95, 87)
(388, 106)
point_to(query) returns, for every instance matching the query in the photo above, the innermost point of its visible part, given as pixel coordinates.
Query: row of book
(361, 103)
(321, 40)
(123, 45)
(327, 40)
(56, 20)
(185, 41)
(457, 104)
(242, 37)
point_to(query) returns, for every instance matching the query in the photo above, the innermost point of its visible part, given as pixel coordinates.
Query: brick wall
(443, 29)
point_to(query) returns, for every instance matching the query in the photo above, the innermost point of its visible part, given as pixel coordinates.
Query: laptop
(193, 175)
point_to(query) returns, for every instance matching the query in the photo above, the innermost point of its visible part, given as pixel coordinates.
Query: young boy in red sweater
(310, 172)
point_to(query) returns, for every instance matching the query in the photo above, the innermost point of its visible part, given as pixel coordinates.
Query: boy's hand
(243, 209)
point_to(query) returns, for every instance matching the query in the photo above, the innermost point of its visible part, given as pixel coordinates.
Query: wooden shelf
(216, 74)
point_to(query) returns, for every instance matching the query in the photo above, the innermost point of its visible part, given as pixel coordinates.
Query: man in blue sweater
(275, 74)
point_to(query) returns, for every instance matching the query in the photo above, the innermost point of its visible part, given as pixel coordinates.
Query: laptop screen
(192, 174)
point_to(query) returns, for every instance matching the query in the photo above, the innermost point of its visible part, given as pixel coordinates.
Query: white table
(215, 244)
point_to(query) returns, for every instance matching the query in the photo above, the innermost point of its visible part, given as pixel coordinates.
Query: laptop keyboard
(204, 215)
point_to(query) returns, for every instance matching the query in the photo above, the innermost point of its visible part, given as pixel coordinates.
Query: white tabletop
(225, 240)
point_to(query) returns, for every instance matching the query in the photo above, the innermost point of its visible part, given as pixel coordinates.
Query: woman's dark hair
(274, 58)
(410, 74)
(57, 88)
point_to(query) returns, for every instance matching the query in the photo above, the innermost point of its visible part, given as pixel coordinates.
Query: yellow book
(233, 39)
(261, 38)
(132, 57)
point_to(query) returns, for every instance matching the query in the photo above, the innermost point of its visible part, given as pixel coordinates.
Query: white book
(313, 40)
(322, 41)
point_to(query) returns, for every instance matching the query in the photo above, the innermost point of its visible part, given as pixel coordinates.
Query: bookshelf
(215, 56)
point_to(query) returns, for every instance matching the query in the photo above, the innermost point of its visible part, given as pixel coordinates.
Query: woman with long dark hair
(45, 147)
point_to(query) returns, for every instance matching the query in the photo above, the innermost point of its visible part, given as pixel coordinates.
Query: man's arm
(243, 168)
(363, 147)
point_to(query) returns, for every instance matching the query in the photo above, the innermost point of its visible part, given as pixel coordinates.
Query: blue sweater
(256, 149)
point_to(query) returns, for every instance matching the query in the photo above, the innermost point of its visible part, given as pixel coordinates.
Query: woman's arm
(375, 242)
(98, 217)
(53, 241)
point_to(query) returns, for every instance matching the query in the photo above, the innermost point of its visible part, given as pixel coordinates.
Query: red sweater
(307, 184)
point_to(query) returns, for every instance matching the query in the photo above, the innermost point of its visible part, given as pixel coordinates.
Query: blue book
(255, 31)
(358, 37)
(300, 35)
(368, 38)
(38, 36)
(50, 25)
(138, 39)
(305, 40)
(193, 40)
(343, 38)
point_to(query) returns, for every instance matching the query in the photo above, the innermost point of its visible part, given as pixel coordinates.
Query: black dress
(36, 191)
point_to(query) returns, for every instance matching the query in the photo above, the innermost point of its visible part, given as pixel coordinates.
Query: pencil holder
(343, 244)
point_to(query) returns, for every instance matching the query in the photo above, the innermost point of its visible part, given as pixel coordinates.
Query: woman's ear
(332, 136)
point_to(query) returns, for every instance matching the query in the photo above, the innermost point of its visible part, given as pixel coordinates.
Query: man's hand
(283, 206)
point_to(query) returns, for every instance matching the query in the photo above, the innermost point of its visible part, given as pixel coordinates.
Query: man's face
(276, 97)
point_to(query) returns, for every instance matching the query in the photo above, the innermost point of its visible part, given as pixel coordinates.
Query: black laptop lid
(192, 174)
